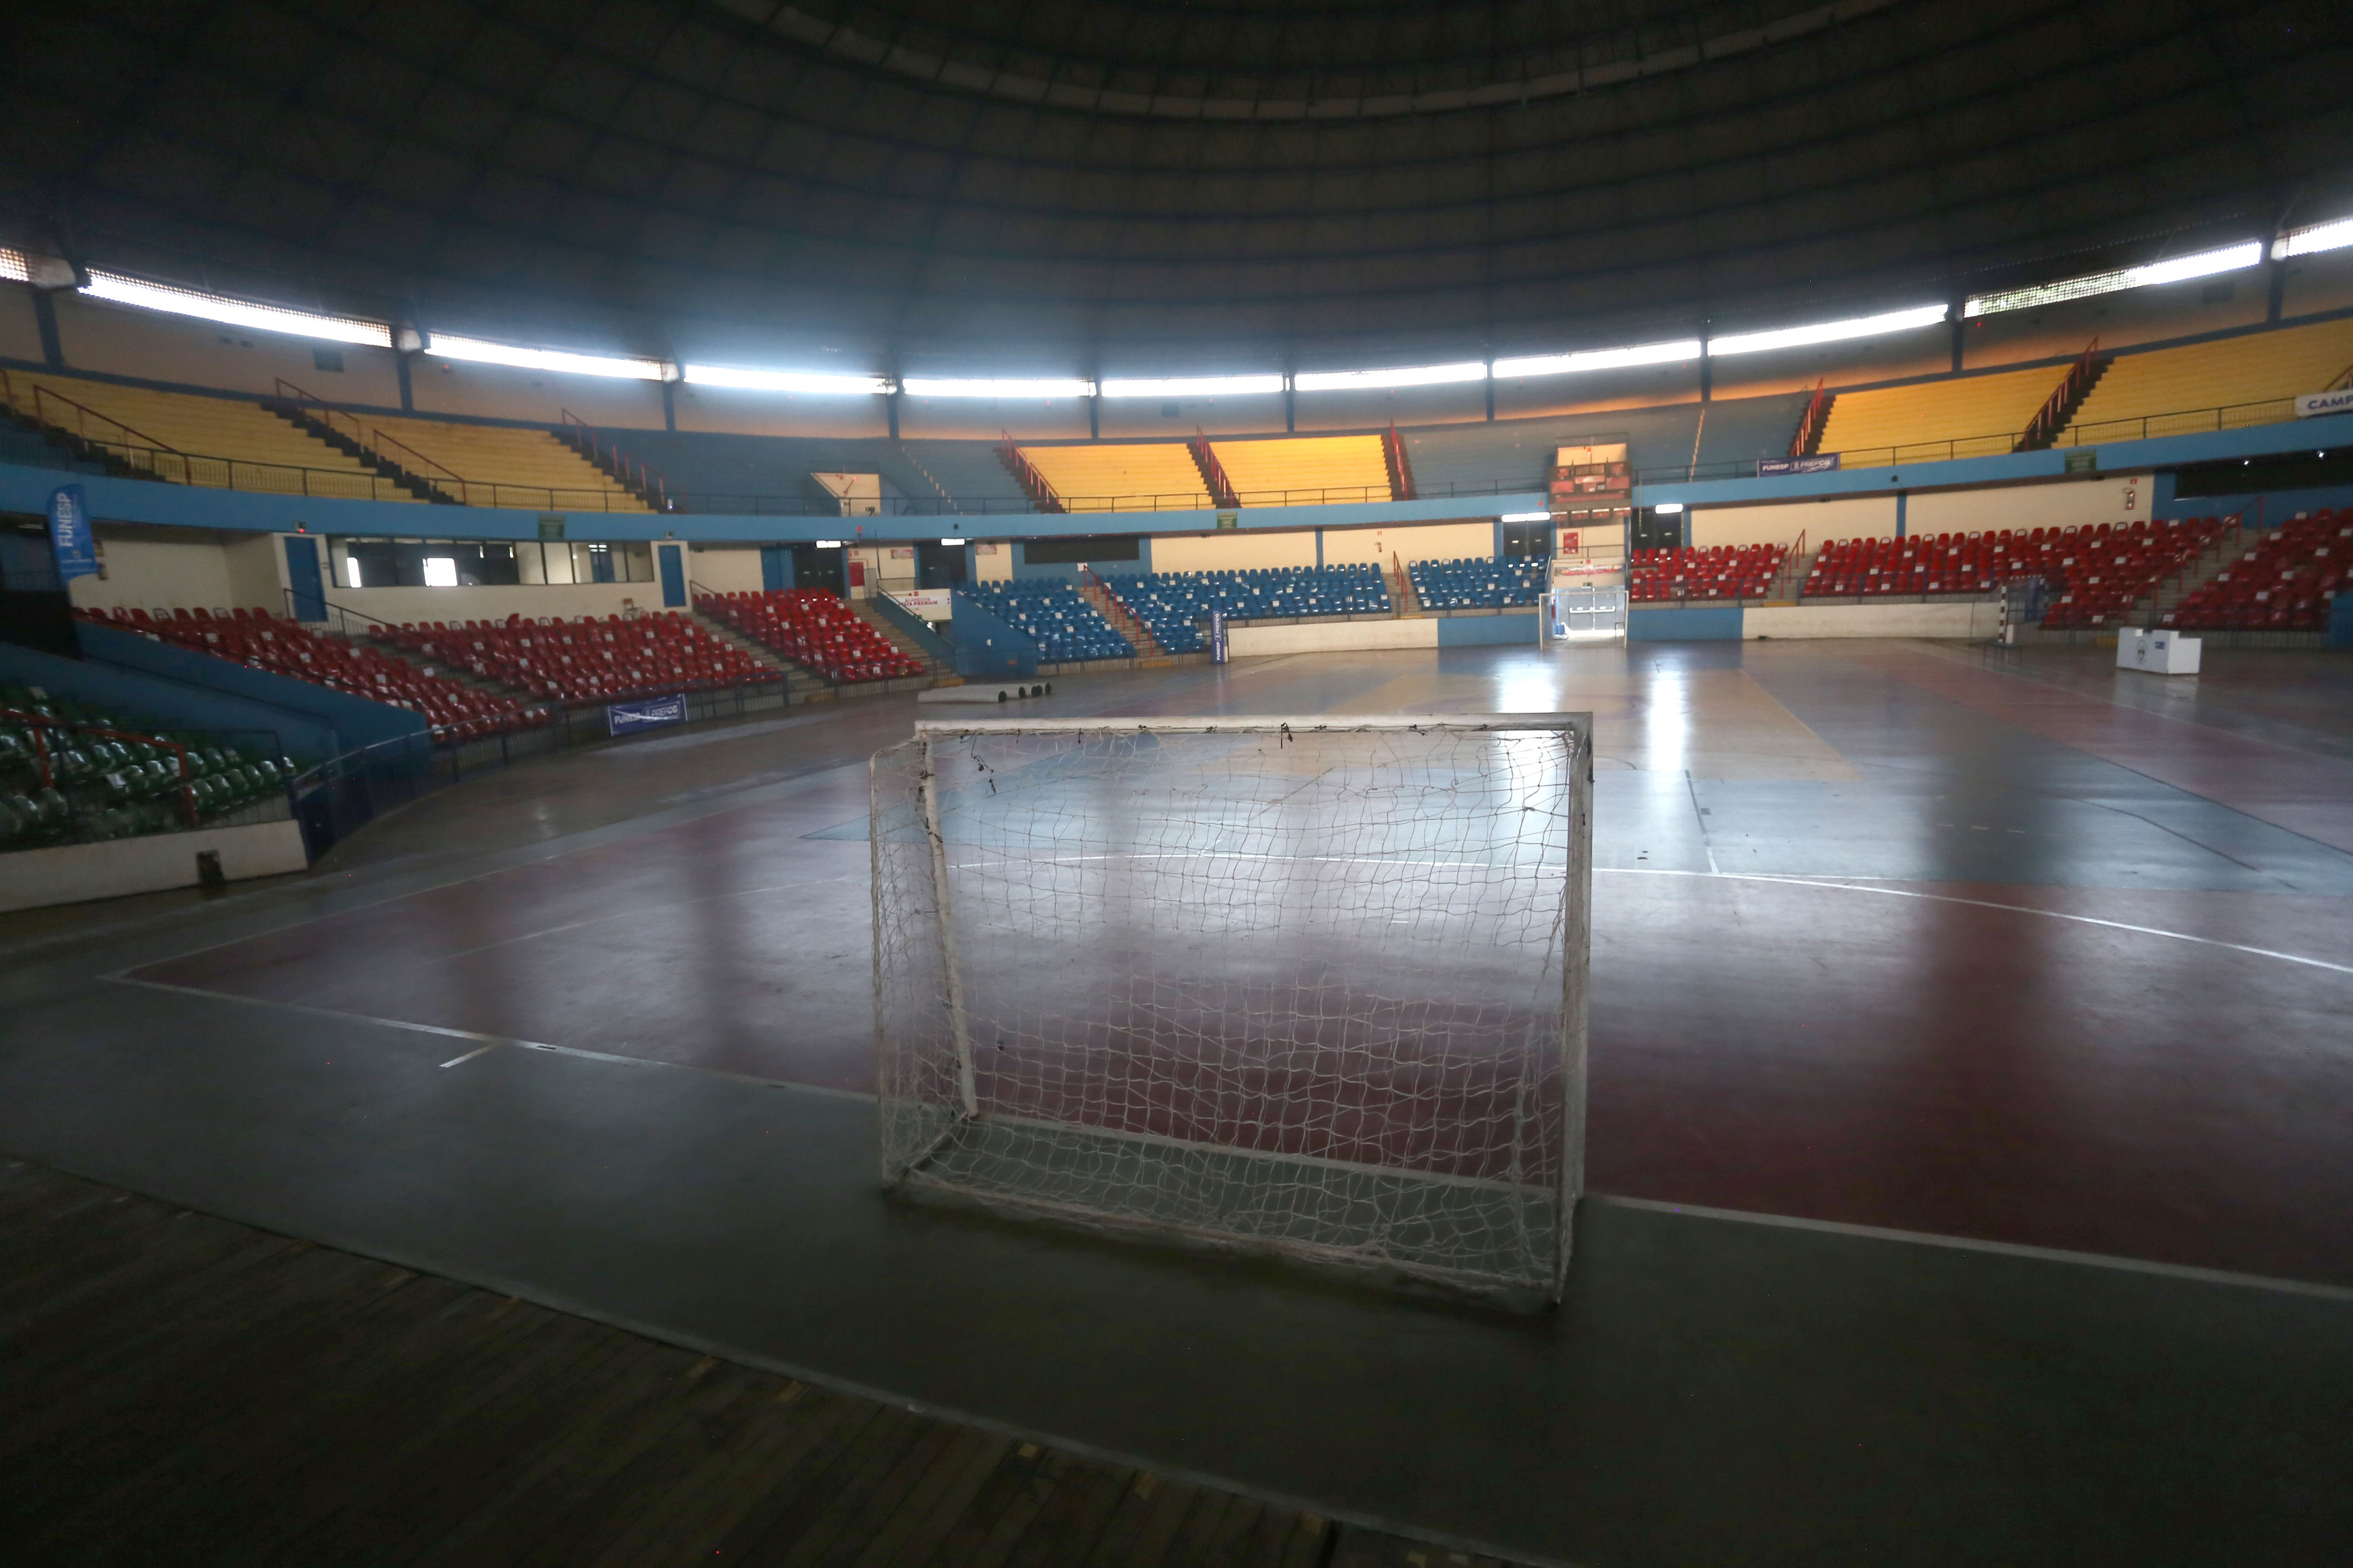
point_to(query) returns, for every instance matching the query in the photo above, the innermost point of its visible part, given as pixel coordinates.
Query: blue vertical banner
(1217, 636)
(70, 534)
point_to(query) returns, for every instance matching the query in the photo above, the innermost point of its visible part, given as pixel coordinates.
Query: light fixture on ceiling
(1526, 516)
(122, 290)
(1044, 386)
(783, 380)
(828, 544)
(1598, 359)
(2313, 236)
(442, 346)
(1668, 507)
(2180, 268)
(951, 541)
(1404, 375)
(1827, 331)
(1192, 386)
(13, 268)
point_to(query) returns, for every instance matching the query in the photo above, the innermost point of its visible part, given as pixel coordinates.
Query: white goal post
(1307, 985)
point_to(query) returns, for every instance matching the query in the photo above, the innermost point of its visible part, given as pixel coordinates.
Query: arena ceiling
(1149, 186)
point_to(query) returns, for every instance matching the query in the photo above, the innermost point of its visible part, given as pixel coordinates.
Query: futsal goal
(1309, 985)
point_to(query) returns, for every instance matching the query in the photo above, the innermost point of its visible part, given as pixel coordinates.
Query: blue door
(673, 575)
(776, 567)
(303, 578)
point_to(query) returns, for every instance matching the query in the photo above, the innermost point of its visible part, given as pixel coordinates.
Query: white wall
(500, 392)
(1407, 542)
(1232, 550)
(145, 571)
(1860, 517)
(1330, 637)
(1969, 618)
(72, 873)
(20, 334)
(722, 569)
(992, 560)
(123, 340)
(2111, 498)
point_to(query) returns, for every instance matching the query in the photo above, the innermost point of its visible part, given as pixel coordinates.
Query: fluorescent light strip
(2204, 264)
(443, 346)
(1526, 516)
(1598, 359)
(924, 387)
(1827, 331)
(1411, 375)
(1194, 386)
(13, 268)
(124, 290)
(783, 380)
(2319, 237)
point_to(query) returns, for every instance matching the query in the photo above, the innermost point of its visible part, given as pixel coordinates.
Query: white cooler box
(2160, 652)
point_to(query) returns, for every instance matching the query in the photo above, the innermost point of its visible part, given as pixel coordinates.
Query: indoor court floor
(1971, 1119)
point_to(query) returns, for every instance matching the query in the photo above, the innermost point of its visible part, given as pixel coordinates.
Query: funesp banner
(655, 713)
(70, 534)
(1825, 463)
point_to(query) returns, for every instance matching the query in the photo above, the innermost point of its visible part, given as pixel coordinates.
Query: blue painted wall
(1711, 623)
(988, 647)
(354, 721)
(166, 704)
(1488, 631)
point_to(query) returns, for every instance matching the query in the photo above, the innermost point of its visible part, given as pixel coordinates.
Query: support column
(45, 316)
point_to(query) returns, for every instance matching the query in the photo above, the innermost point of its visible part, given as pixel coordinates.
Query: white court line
(1998, 1248)
(1987, 904)
(470, 1056)
(490, 1042)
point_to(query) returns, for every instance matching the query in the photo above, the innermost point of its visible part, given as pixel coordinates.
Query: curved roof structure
(1149, 186)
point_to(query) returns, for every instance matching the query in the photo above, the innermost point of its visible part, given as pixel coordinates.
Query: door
(815, 568)
(939, 565)
(303, 578)
(673, 575)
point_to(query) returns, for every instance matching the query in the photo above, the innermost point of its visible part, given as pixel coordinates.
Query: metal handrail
(40, 392)
(2046, 423)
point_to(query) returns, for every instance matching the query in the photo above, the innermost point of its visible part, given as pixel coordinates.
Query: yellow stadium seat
(223, 443)
(496, 464)
(1971, 417)
(1158, 477)
(1305, 471)
(2249, 380)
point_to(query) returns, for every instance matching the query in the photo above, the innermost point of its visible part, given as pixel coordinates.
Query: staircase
(608, 458)
(2218, 557)
(1404, 603)
(1106, 603)
(938, 674)
(800, 685)
(321, 427)
(2066, 399)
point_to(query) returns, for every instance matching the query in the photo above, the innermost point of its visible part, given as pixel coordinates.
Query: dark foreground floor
(174, 1388)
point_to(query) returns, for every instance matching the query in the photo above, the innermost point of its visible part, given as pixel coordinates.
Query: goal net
(1315, 986)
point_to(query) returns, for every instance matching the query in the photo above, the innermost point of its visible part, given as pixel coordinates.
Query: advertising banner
(932, 603)
(2309, 403)
(1820, 465)
(70, 535)
(1217, 636)
(1594, 473)
(654, 714)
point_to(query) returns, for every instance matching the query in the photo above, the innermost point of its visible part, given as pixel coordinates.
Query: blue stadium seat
(1175, 606)
(1477, 585)
(1066, 627)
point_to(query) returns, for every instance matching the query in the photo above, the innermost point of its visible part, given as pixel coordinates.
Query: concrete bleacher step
(2226, 553)
(321, 432)
(801, 685)
(938, 672)
(1107, 604)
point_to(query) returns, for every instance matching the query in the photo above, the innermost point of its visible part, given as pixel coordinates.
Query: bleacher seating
(1715, 572)
(1930, 416)
(271, 454)
(815, 630)
(1475, 584)
(68, 781)
(1170, 604)
(1159, 477)
(501, 465)
(587, 660)
(2288, 581)
(2258, 368)
(454, 711)
(2097, 573)
(1305, 471)
(1057, 617)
